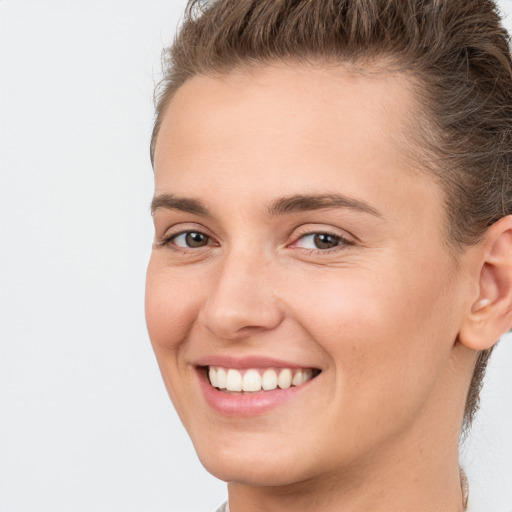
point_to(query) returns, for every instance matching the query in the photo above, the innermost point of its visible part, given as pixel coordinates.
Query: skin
(381, 315)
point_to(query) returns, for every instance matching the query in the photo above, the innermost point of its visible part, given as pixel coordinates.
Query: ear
(490, 312)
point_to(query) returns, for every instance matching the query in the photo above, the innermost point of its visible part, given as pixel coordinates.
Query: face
(296, 242)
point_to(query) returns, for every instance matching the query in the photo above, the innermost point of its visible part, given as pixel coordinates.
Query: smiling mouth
(254, 380)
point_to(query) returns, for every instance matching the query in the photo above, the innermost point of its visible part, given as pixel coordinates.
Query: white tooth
(297, 378)
(221, 378)
(233, 380)
(269, 380)
(285, 378)
(308, 375)
(252, 381)
(213, 376)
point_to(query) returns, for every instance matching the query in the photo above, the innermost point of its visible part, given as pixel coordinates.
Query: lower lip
(246, 404)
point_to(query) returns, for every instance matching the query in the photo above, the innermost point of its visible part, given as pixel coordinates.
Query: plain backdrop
(85, 422)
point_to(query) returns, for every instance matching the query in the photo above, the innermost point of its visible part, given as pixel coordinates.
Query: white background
(85, 422)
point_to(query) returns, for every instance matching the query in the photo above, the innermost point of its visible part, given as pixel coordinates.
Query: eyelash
(167, 241)
(341, 242)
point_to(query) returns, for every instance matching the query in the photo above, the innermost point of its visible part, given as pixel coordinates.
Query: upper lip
(246, 362)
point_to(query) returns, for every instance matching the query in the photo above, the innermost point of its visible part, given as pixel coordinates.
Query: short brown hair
(457, 51)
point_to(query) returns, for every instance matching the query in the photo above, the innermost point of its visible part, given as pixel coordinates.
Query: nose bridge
(242, 297)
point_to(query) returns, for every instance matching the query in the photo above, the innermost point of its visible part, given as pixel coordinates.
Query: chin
(252, 473)
(257, 461)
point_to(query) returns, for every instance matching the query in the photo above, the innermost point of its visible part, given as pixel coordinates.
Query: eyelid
(172, 233)
(308, 231)
(345, 239)
(319, 229)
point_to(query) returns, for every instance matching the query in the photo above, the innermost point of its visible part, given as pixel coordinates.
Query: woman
(333, 254)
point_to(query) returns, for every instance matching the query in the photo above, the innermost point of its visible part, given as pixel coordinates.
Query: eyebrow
(281, 206)
(182, 204)
(302, 203)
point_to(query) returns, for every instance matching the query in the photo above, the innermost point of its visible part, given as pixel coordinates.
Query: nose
(243, 299)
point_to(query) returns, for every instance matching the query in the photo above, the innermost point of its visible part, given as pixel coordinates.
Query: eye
(320, 241)
(188, 240)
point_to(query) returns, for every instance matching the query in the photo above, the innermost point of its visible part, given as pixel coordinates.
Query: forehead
(288, 129)
(326, 106)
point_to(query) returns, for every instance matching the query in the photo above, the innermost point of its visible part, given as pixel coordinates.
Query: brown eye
(191, 239)
(196, 239)
(321, 241)
(326, 241)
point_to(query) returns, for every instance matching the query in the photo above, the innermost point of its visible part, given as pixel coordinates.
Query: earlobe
(490, 313)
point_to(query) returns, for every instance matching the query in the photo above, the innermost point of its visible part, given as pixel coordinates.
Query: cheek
(171, 307)
(388, 331)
